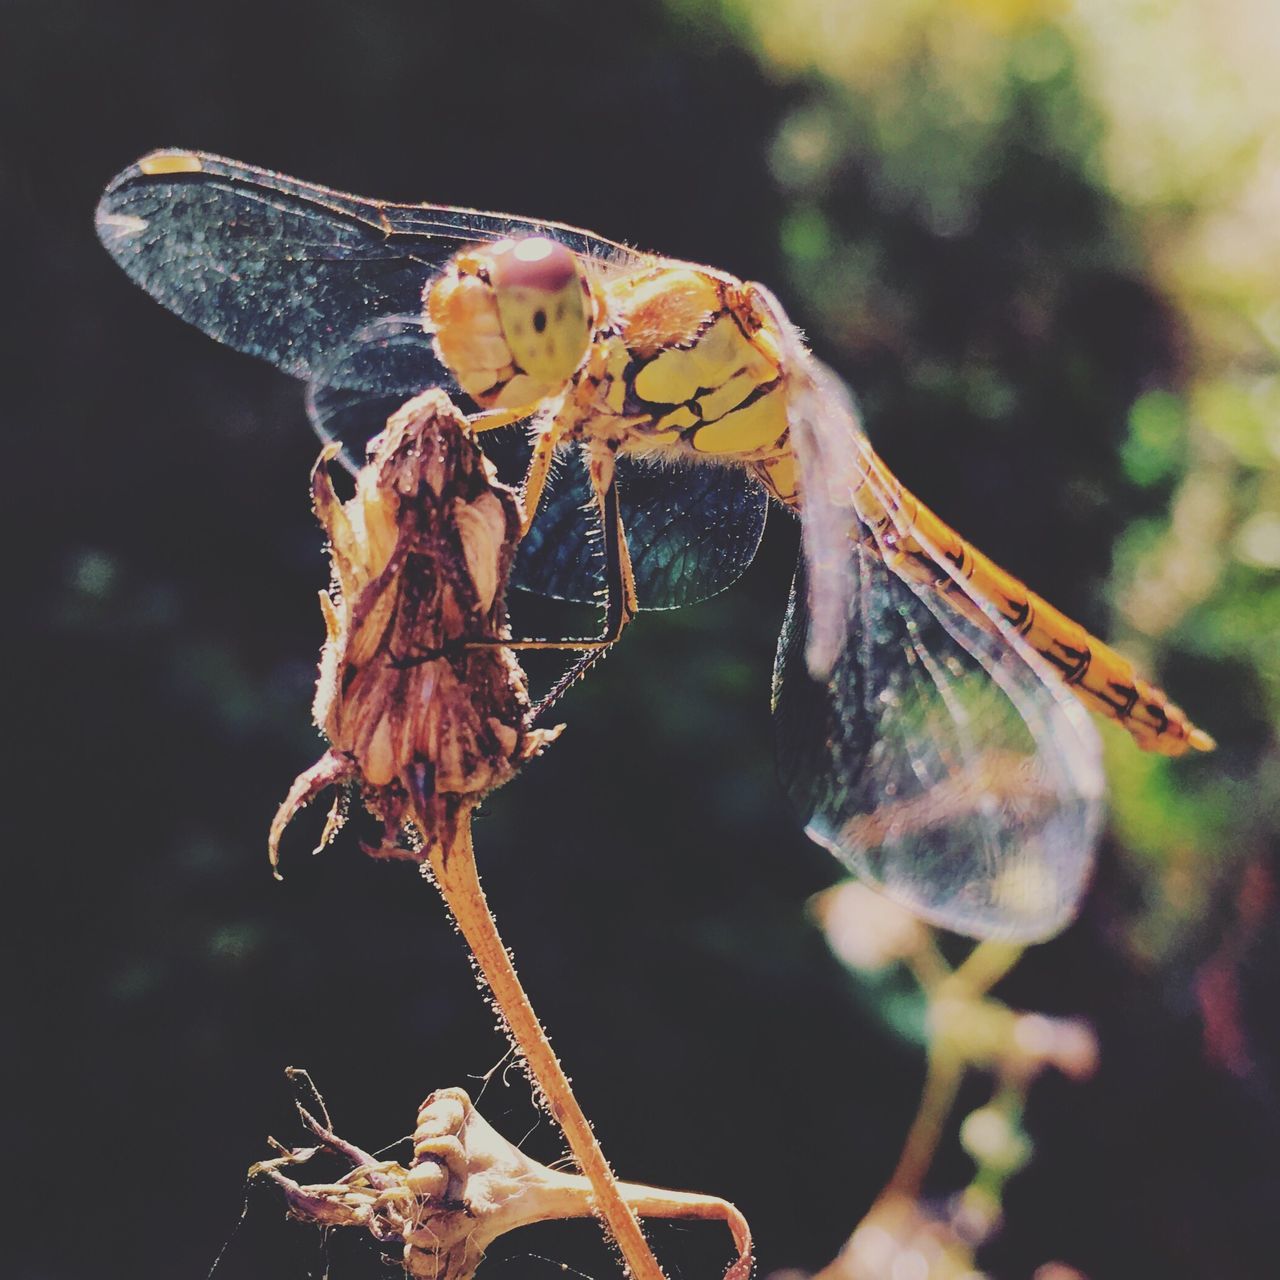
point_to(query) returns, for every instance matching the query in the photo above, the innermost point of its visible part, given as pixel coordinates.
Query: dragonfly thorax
(511, 320)
(690, 364)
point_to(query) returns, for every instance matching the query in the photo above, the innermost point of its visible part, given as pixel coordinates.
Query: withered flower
(465, 1186)
(426, 711)
(423, 707)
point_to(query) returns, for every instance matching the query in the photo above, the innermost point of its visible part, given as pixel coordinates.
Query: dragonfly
(929, 708)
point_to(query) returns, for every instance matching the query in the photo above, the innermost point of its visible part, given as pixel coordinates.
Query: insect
(928, 706)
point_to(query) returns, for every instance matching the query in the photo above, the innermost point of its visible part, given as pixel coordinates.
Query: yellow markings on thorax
(694, 351)
(661, 307)
(758, 425)
(677, 374)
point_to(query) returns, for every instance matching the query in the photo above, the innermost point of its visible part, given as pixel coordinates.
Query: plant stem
(452, 863)
(650, 1202)
(944, 1072)
(571, 1196)
(985, 965)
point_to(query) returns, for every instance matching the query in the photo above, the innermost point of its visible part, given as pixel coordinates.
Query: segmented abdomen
(1103, 680)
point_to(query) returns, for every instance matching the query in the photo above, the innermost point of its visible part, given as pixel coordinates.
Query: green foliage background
(1041, 242)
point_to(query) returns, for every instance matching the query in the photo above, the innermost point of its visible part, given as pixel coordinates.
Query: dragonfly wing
(284, 269)
(691, 530)
(928, 747)
(361, 382)
(562, 555)
(951, 778)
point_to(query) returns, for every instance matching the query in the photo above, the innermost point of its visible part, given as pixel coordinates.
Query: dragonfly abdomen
(1103, 679)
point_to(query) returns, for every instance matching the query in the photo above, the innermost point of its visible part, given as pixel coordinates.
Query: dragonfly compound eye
(543, 305)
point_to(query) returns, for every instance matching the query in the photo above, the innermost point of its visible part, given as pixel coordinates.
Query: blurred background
(1041, 240)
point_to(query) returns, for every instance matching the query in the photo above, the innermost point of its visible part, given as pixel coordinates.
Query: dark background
(163, 563)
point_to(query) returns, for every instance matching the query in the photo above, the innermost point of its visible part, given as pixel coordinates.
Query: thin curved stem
(944, 1072)
(985, 965)
(572, 1197)
(452, 863)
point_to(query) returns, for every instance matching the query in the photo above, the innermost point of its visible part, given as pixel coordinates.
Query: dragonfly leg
(492, 419)
(549, 431)
(620, 581)
(535, 479)
(620, 586)
(621, 605)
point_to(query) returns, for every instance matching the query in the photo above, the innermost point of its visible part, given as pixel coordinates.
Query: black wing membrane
(692, 530)
(283, 269)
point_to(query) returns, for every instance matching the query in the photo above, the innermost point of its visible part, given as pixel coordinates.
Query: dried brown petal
(422, 705)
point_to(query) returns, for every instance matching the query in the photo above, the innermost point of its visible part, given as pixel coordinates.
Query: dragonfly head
(512, 320)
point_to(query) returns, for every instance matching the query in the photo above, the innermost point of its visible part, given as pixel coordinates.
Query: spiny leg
(549, 432)
(620, 587)
(620, 599)
(620, 581)
(535, 480)
(492, 419)
(621, 606)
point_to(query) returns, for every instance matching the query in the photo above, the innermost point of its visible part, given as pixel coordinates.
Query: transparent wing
(362, 381)
(950, 778)
(692, 530)
(931, 751)
(283, 269)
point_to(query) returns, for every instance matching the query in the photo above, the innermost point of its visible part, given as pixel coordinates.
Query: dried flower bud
(992, 1136)
(466, 1186)
(422, 705)
(867, 930)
